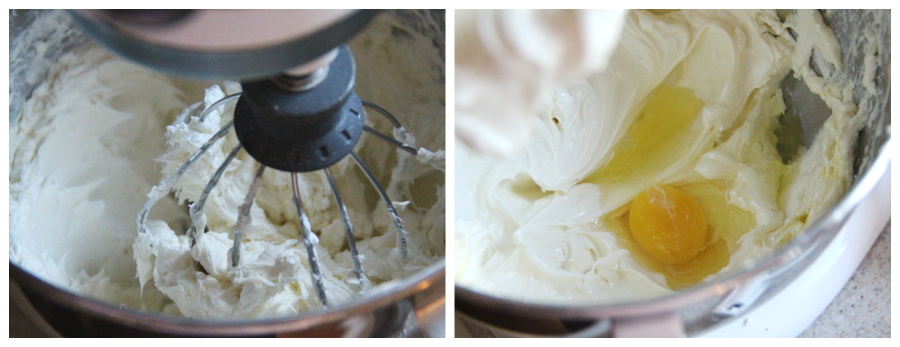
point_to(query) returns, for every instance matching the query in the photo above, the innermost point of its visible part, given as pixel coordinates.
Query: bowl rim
(402, 289)
(798, 247)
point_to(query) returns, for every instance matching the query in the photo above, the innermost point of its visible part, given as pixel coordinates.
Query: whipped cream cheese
(100, 132)
(543, 225)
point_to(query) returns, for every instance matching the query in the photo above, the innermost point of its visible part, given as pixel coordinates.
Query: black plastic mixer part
(301, 131)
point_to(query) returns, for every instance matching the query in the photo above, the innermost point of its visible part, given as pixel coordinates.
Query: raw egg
(726, 224)
(668, 224)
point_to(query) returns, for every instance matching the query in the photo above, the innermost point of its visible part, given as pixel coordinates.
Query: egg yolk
(668, 224)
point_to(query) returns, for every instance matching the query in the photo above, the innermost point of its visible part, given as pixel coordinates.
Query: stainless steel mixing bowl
(381, 314)
(708, 305)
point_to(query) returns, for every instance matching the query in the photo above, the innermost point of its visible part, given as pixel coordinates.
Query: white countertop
(863, 307)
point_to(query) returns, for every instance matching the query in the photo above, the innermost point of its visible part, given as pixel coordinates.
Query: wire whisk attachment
(243, 226)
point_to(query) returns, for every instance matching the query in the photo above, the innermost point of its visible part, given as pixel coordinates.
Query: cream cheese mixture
(690, 100)
(99, 132)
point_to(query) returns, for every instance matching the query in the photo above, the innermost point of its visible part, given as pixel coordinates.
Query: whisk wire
(351, 239)
(409, 149)
(402, 235)
(308, 241)
(390, 117)
(160, 191)
(197, 207)
(244, 219)
(217, 104)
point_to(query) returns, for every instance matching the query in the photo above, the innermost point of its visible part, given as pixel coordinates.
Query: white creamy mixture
(533, 226)
(93, 139)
